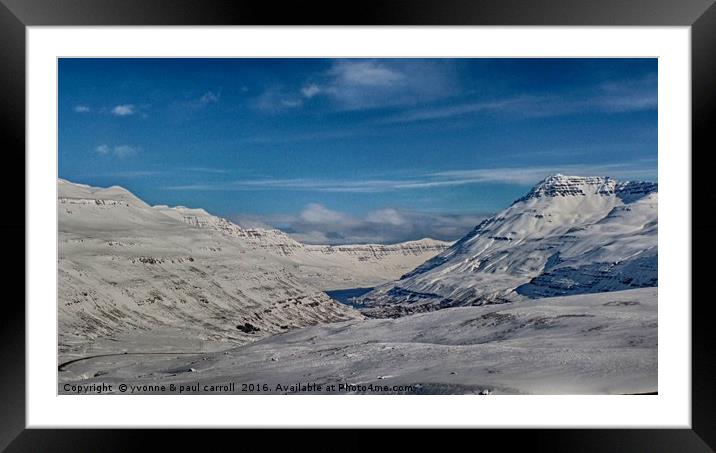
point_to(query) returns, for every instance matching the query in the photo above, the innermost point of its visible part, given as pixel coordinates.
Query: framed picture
(424, 215)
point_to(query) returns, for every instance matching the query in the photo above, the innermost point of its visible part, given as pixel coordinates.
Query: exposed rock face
(564, 186)
(568, 235)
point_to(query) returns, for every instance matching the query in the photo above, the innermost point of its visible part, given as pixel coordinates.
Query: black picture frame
(16, 15)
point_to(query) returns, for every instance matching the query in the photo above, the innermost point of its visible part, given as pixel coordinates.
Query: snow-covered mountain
(328, 267)
(281, 243)
(160, 295)
(125, 266)
(569, 235)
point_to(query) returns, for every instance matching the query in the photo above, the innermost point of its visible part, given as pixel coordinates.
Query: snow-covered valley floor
(603, 343)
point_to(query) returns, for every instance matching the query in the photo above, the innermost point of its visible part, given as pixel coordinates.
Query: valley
(555, 294)
(588, 344)
(127, 269)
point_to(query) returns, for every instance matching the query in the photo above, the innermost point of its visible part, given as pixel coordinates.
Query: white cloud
(354, 84)
(120, 151)
(365, 84)
(207, 170)
(316, 213)
(209, 97)
(534, 107)
(290, 103)
(252, 221)
(193, 101)
(389, 216)
(124, 110)
(318, 237)
(366, 73)
(312, 136)
(316, 224)
(310, 91)
(124, 150)
(81, 109)
(136, 173)
(609, 98)
(455, 110)
(322, 185)
(629, 96)
(276, 99)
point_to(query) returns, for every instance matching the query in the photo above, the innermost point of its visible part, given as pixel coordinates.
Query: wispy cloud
(135, 173)
(82, 109)
(321, 185)
(120, 151)
(629, 95)
(148, 173)
(366, 84)
(125, 150)
(358, 84)
(643, 169)
(312, 136)
(291, 103)
(426, 114)
(613, 97)
(371, 73)
(310, 91)
(124, 110)
(207, 170)
(207, 98)
(277, 99)
(316, 213)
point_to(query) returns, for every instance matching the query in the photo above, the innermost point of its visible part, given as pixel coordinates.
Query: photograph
(357, 226)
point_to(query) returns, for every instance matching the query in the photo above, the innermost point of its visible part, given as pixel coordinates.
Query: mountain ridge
(567, 235)
(562, 185)
(125, 267)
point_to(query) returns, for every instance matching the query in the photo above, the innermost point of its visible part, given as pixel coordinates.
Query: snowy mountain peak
(559, 185)
(568, 235)
(73, 193)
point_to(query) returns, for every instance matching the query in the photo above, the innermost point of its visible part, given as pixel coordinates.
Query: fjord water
(347, 296)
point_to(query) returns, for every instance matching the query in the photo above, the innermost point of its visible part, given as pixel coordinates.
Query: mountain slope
(568, 235)
(586, 344)
(328, 267)
(126, 267)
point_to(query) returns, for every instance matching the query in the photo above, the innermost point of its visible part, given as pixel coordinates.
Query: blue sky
(353, 150)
